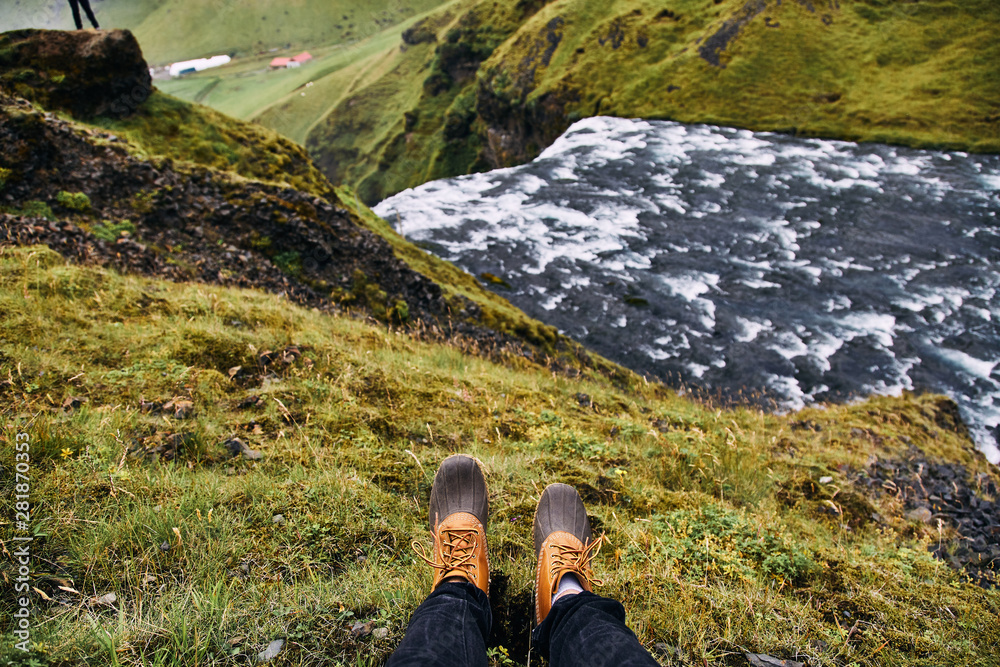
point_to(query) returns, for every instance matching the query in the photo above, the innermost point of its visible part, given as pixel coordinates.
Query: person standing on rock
(75, 6)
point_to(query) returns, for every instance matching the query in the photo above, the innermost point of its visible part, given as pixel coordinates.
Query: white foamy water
(811, 270)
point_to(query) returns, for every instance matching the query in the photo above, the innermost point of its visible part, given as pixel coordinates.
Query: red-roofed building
(302, 58)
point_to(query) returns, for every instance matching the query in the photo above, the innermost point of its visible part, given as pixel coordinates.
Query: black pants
(75, 6)
(450, 629)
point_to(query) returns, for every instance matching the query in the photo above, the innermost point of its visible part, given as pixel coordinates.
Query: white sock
(567, 585)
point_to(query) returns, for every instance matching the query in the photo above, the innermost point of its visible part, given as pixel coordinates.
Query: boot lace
(567, 558)
(458, 551)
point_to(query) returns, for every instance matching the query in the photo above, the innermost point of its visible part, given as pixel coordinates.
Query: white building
(188, 66)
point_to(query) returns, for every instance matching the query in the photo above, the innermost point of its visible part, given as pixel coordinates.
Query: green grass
(245, 88)
(167, 127)
(714, 547)
(182, 29)
(919, 74)
(871, 70)
(365, 141)
(296, 112)
(279, 99)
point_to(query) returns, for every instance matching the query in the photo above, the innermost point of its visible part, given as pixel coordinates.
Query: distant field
(250, 90)
(171, 30)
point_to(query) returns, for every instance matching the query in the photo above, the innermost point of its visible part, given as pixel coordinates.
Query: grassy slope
(168, 127)
(366, 141)
(351, 435)
(295, 114)
(924, 74)
(171, 30)
(248, 89)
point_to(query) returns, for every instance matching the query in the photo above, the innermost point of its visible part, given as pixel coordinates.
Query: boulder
(87, 73)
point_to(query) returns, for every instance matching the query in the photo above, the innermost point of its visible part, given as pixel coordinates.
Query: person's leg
(587, 629)
(451, 626)
(575, 626)
(90, 14)
(76, 14)
(449, 629)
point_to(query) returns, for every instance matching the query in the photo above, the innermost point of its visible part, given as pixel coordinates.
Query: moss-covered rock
(85, 73)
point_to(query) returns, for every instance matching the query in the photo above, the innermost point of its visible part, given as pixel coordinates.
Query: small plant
(401, 311)
(5, 175)
(500, 657)
(714, 541)
(289, 261)
(259, 242)
(74, 201)
(492, 279)
(112, 231)
(23, 659)
(368, 294)
(143, 201)
(35, 209)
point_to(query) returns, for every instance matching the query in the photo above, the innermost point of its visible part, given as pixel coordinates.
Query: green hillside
(233, 425)
(729, 531)
(922, 74)
(250, 90)
(476, 84)
(171, 30)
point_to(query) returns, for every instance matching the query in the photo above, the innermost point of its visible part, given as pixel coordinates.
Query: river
(744, 264)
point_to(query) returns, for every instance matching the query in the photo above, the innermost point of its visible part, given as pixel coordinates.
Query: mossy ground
(168, 127)
(721, 536)
(496, 312)
(922, 74)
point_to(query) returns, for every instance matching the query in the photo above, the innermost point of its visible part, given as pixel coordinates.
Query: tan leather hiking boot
(459, 512)
(563, 545)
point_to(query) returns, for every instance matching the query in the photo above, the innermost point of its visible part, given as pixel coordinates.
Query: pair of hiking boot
(459, 512)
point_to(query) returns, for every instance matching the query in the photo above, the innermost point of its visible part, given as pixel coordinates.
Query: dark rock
(237, 447)
(713, 47)
(162, 446)
(419, 33)
(943, 491)
(85, 73)
(272, 651)
(762, 660)
(73, 402)
(360, 629)
(251, 402)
